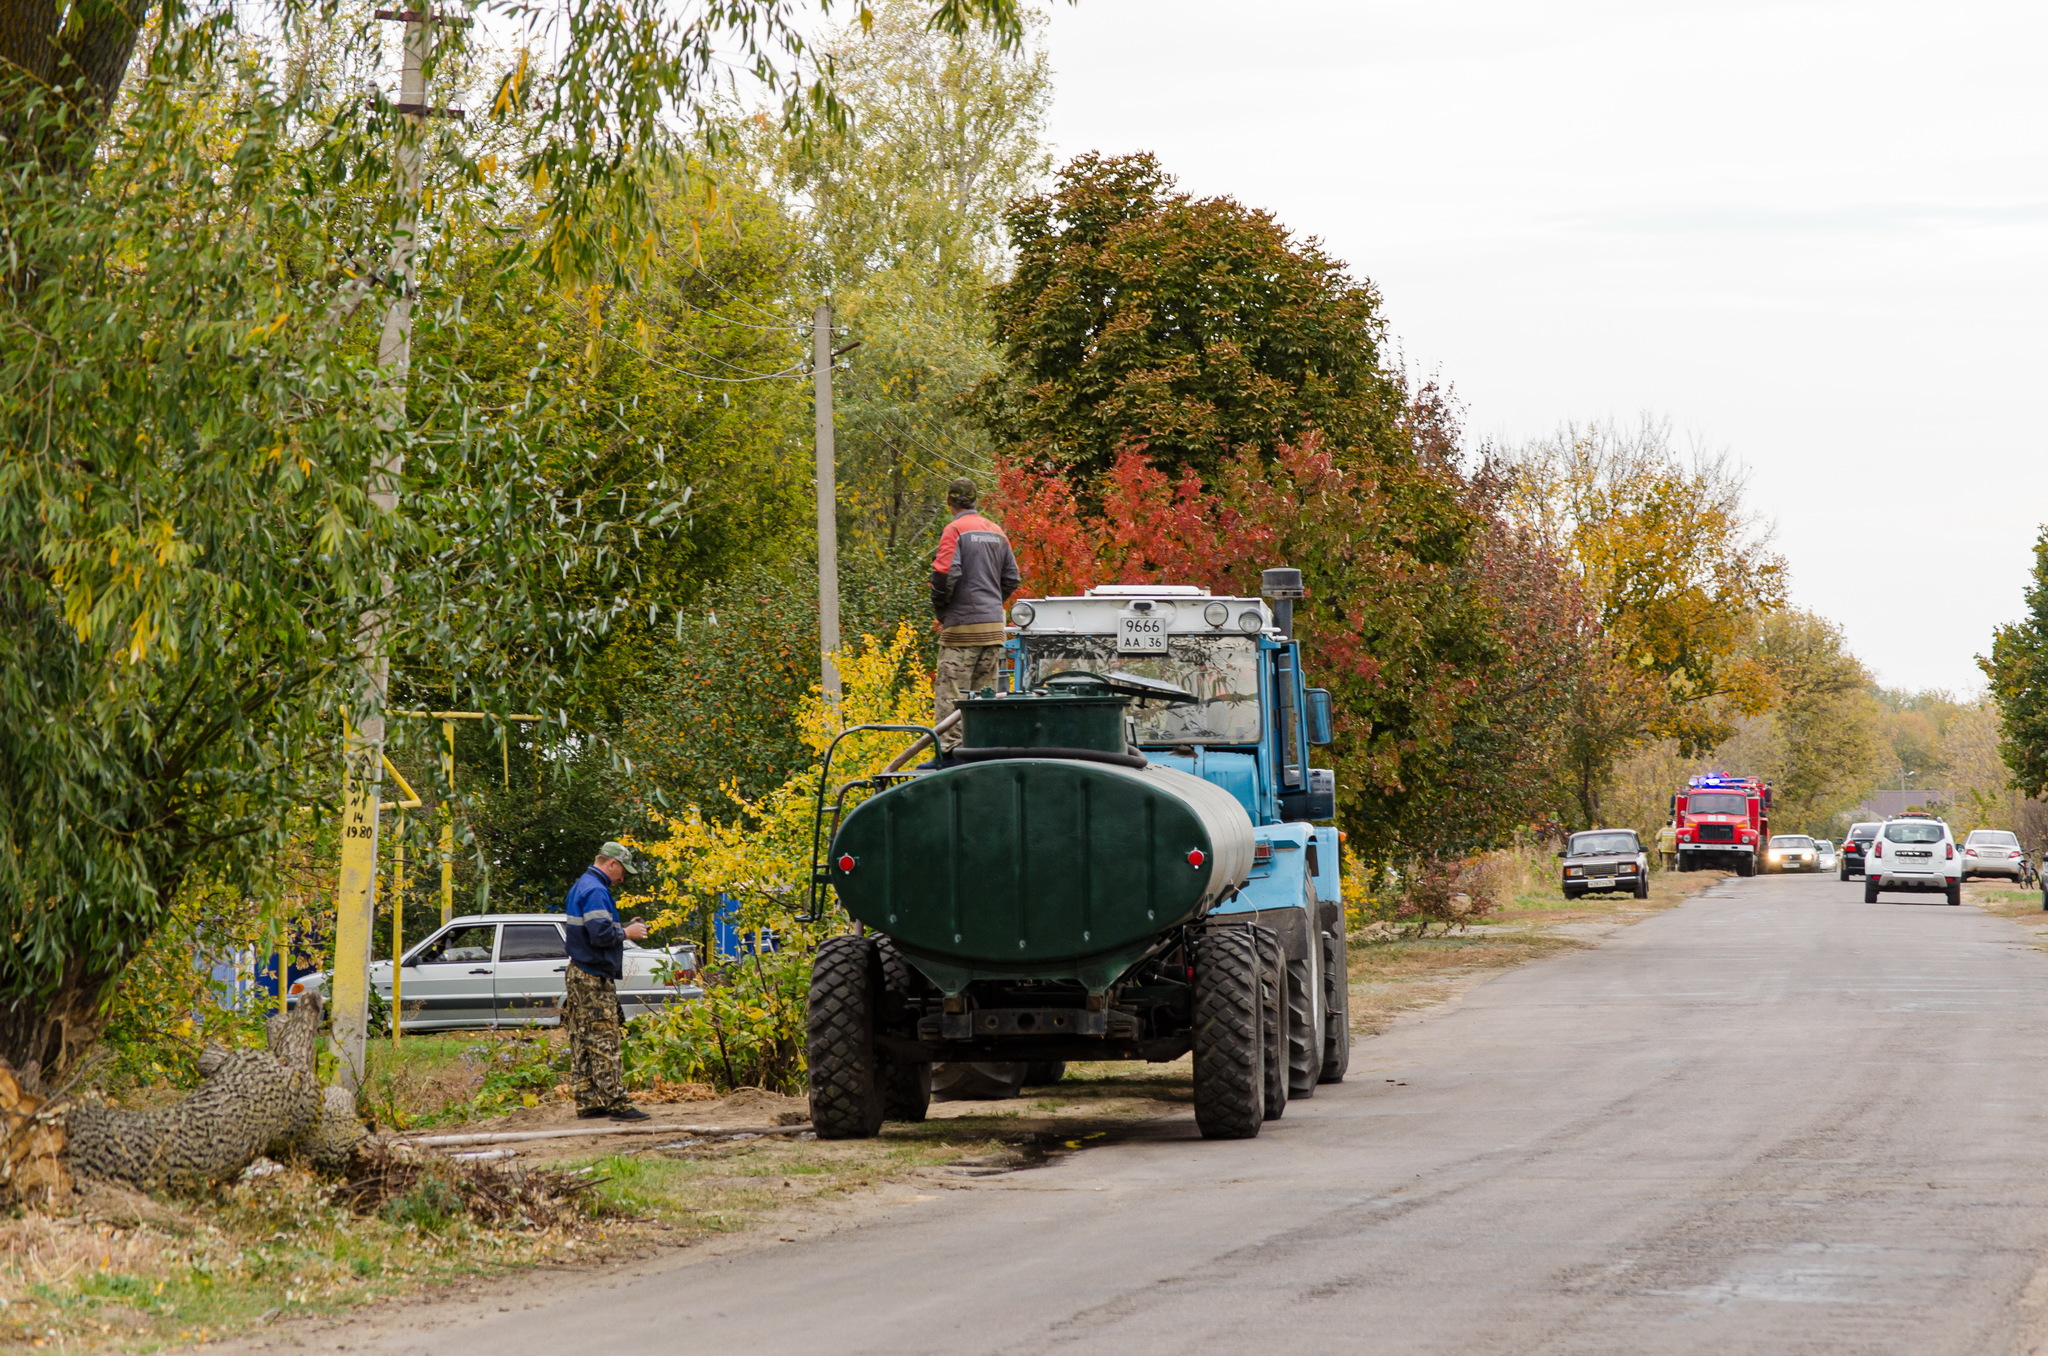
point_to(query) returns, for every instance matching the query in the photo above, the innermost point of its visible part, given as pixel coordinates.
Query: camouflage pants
(963, 671)
(590, 1012)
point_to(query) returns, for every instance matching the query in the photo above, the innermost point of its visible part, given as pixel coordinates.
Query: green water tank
(1039, 867)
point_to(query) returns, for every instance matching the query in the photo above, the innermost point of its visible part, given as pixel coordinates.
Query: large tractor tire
(1304, 1032)
(1230, 1093)
(1040, 1073)
(1336, 1008)
(906, 1087)
(1745, 866)
(1273, 1009)
(846, 1083)
(977, 1082)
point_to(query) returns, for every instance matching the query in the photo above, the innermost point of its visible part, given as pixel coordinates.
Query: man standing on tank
(590, 1007)
(973, 576)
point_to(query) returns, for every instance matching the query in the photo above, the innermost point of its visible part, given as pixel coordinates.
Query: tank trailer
(1123, 859)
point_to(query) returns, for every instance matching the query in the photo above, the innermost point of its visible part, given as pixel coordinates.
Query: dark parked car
(1855, 847)
(1605, 859)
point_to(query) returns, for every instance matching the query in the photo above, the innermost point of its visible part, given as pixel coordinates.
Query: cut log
(250, 1104)
(31, 1143)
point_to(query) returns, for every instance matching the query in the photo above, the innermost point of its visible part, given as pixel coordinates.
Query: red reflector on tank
(1196, 857)
(1262, 852)
(845, 861)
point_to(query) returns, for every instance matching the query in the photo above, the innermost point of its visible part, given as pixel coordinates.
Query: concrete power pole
(355, 903)
(828, 502)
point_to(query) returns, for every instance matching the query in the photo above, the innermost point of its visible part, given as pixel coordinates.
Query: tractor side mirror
(1321, 723)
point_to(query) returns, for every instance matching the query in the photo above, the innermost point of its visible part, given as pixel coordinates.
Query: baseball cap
(619, 853)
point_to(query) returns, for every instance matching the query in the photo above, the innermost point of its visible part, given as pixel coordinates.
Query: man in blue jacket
(590, 1008)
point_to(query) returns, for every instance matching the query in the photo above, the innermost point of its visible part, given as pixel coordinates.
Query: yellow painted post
(356, 899)
(397, 922)
(448, 825)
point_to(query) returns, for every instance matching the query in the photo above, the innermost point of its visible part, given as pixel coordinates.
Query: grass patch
(2007, 901)
(130, 1273)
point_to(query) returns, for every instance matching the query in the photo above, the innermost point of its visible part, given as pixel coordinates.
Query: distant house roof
(1881, 804)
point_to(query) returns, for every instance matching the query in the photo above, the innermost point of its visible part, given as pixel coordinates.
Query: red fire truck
(1722, 821)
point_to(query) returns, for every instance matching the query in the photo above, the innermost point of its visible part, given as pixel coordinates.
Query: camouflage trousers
(963, 671)
(596, 1026)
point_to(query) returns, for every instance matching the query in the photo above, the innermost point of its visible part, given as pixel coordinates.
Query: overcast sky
(1811, 234)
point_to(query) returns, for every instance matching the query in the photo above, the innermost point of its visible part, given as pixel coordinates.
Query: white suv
(1913, 852)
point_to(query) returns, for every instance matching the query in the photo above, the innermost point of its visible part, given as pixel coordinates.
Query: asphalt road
(1776, 1119)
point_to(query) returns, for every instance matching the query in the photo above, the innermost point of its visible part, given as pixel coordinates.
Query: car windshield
(1586, 844)
(1995, 838)
(1222, 672)
(1791, 840)
(1716, 803)
(1912, 833)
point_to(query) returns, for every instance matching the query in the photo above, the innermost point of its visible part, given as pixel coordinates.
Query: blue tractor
(1127, 857)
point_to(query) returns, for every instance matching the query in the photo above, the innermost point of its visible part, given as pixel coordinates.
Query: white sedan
(506, 969)
(1993, 852)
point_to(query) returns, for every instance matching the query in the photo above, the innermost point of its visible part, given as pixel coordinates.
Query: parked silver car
(1993, 852)
(1605, 859)
(506, 969)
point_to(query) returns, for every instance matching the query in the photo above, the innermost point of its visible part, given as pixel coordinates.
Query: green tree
(904, 209)
(1138, 315)
(2018, 669)
(190, 420)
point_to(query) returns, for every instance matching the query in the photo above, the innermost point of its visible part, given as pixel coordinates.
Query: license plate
(1601, 880)
(1141, 635)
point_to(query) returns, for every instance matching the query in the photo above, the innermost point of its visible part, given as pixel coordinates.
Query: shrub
(1452, 893)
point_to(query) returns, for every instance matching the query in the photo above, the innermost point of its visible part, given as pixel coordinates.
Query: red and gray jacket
(973, 574)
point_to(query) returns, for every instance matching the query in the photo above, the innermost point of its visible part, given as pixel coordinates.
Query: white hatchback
(1913, 852)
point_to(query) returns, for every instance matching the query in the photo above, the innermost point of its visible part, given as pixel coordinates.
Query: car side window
(463, 946)
(532, 941)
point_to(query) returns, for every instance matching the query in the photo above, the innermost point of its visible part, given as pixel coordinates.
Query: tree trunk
(43, 1036)
(251, 1103)
(80, 51)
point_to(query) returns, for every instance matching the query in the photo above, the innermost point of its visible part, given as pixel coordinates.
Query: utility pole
(828, 502)
(355, 905)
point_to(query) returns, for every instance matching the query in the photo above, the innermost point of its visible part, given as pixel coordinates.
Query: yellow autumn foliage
(748, 1028)
(758, 853)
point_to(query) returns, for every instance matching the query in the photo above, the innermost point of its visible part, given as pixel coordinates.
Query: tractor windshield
(1222, 672)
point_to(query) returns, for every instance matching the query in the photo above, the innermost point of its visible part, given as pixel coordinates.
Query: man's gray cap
(621, 854)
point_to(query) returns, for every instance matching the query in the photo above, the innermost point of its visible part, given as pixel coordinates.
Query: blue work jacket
(597, 943)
